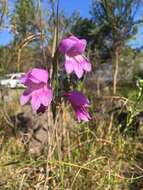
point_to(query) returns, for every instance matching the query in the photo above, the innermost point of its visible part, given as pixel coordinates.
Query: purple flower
(79, 103)
(73, 48)
(38, 91)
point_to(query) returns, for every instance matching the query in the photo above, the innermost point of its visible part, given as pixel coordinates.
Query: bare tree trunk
(114, 85)
(116, 70)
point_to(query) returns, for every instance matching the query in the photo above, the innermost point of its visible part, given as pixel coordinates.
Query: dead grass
(80, 157)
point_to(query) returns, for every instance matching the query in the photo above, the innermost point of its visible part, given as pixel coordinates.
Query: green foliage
(3, 11)
(24, 17)
(6, 59)
(111, 25)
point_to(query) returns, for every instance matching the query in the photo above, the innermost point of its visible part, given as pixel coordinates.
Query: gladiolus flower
(38, 91)
(79, 103)
(73, 49)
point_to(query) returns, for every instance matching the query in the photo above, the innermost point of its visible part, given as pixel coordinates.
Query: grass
(85, 156)
(94, 162)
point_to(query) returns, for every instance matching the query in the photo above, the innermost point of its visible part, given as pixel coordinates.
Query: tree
(23, 18)
(111, 25)
(3, 11)
(120, 18)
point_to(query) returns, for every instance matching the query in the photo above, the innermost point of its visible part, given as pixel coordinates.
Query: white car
(12, 80)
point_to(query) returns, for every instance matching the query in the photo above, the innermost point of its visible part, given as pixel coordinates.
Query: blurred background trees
(108, 31)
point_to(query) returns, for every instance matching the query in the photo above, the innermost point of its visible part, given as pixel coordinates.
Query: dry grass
(80, 157)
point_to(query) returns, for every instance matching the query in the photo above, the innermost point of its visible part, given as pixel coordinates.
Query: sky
(80, 5)
(69, 7)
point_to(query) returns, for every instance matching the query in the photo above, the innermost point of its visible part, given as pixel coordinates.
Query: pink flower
(79, 103)
(73, 48)
(38, 91)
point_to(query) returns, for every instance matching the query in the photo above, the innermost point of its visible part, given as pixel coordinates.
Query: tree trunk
(116, 70)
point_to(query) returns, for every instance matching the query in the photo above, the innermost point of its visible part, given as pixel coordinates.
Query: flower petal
(34, 76)
(69, 64)
(66, 44)
(46, 96)
(35, 101)
(86, 65)
(24, 99)
(84, 62)
(82, 114)
(79, 103)
(72, 46)
(78, 69)
(24, 78)
(38, 75)
(41, 109)
(77, 99)
(78, 48)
